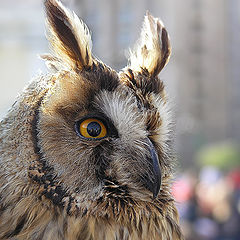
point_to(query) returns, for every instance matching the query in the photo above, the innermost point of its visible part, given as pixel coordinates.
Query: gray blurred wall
(21, 39)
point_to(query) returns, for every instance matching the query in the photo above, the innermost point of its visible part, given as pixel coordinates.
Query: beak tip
(154, 196)
(156, 190)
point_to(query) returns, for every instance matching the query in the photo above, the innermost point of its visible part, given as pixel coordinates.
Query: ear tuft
(69, 37)
(152, 50)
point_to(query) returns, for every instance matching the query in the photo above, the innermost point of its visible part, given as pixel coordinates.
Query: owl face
(100, 132)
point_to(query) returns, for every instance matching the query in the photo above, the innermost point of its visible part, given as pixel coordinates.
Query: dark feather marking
(84, 212)
(134, 217)
(3, 206)
(84, 232)
(131, 77)
(17, 229)
(116, 190)
(142, 81)
(153, 121)
(165, 49)
(34, 128)
(142, 84)
(69, 206)
(121, 233)
(40, 236)
(87, 57)
(174, 226)
(39, 171)
(102, 160)
(140, 229)
(65, 225)
(102, 75)
(64, 30)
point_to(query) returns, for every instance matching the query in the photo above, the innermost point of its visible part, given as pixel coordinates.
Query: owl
(85, 151)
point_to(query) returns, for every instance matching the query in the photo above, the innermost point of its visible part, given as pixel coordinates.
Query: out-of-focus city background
(202, 78)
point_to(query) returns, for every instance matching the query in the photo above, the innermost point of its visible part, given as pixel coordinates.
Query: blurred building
(208, 39)
(203, 76)
(21, 39)
(202, 58)
(234, 69)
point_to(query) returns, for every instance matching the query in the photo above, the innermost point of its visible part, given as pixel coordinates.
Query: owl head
(101, 133)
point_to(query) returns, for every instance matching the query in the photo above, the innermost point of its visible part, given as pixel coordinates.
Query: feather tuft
(152, 50)
(69, 36)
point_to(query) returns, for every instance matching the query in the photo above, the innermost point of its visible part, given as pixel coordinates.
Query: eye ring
(91, 128)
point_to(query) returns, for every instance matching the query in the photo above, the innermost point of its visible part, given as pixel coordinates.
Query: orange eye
(92, 128)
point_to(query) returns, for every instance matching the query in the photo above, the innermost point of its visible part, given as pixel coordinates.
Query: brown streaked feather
(143, 85)
(64, 36)
(60, 23)
(106, 220)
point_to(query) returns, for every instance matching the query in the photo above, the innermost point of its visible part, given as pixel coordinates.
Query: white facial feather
(165, 129)
(129, 122)
(123, 111)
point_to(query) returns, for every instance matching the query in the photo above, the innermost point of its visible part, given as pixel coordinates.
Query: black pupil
(94, 129)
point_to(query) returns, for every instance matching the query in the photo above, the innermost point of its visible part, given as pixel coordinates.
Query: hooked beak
(153, 183)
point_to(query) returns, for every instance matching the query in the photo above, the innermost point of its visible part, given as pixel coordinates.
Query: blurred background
(202, 78)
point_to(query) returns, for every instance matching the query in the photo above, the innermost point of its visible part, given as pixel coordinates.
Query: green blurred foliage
(224, 156)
